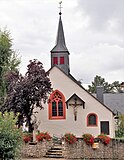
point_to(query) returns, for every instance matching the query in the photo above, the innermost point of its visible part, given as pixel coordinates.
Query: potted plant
(70, 138)
(104, 138)
(27, 137)
(43, 135)
(47, 136)
(88, 138)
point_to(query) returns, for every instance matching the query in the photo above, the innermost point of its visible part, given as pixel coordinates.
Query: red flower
(43, 135)
(47, 136)
(88, 138)
(70, 138)
(104, 139)
(27, 137)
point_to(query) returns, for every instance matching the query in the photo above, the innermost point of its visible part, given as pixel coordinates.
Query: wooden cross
(60, 7)
(75, 105)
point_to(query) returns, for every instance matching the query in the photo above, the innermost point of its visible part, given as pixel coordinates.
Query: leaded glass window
(57, 105)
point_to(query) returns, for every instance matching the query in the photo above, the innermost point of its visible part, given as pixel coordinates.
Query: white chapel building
(70, 107)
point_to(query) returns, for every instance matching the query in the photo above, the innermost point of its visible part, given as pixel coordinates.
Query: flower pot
(95, 145)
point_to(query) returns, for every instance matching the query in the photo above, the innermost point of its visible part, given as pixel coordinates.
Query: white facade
(68, 87)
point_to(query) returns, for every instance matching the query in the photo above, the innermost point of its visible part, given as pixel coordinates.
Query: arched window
(92, 119)
(57, 106)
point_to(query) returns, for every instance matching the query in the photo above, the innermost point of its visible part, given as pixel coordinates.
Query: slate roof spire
(60, 38)
(60, 53)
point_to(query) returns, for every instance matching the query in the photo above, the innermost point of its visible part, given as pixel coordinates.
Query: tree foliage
(27, 92)
(120, 126)
(9, 61)
(10, 137)
(108, 88)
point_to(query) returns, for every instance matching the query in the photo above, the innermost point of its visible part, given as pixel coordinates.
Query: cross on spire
(60, 7)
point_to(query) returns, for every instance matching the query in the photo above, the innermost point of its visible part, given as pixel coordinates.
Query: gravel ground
(43, 159)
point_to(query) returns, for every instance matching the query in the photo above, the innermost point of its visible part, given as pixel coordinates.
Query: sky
(94, 34)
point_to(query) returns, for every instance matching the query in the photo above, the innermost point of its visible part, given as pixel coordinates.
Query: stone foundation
(79, 150)
(36, 151)
(114, 150)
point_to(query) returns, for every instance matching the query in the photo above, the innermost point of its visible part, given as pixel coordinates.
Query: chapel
(71, 108)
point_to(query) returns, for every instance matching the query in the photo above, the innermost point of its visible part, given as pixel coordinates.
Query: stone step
(53, 156)
(56, 148)
(48, 153)
(55, 151)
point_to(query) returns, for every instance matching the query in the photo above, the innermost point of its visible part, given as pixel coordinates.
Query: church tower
(60, 53)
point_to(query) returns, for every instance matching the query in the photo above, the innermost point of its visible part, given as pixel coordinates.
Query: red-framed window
(92, 120)
(57, 107)
(61, 60)
(55, 60)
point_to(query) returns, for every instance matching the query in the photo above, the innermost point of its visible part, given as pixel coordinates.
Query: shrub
(88, 138)
(120, 126)
(70, 138)
(104, 138)
(10, 137)
(43, 135)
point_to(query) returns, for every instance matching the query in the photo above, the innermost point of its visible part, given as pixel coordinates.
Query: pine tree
(9, 61)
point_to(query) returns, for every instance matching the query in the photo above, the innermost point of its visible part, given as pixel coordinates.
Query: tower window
(57, 106)
(55, 60)
(92, 119)
(61, 60)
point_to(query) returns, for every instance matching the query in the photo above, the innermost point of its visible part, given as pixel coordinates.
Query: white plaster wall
(59, 127)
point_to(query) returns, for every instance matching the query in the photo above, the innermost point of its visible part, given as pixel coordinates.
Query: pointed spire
(60, 53)
(60, 39)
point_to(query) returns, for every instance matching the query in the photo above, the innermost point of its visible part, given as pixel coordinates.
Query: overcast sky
(94, 34)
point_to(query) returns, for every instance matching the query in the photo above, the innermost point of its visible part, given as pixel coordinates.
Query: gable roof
(77, 97)
(115, 101)
(74, 80)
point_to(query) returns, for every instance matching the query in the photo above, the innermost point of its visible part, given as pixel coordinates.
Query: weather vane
(60, 7)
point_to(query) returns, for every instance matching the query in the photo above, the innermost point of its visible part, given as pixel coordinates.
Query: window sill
(57, 118)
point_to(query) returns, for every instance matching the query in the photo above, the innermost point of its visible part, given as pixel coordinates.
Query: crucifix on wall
(75, 106)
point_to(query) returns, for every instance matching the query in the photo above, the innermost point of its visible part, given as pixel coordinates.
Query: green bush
(119, 133)
(10, 137)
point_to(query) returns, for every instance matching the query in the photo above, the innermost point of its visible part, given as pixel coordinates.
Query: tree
(10, 136)
(116, 87)
(26, 93)
(9, 61)
(120, 126)
(108, 88)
